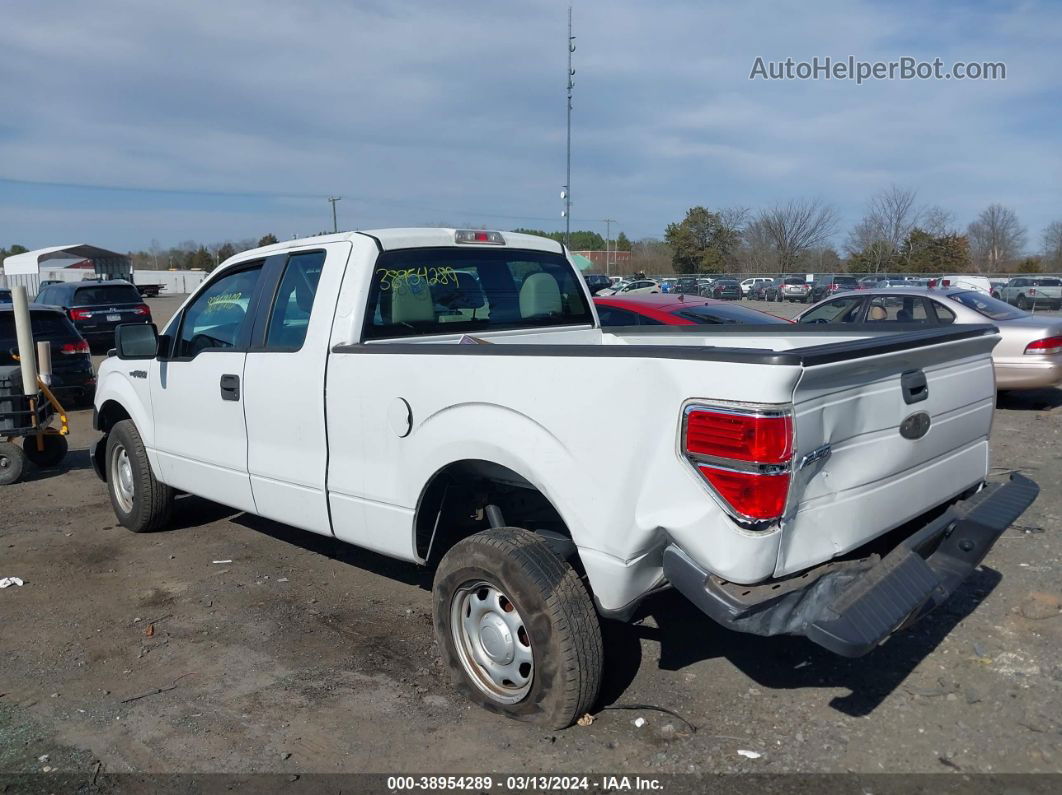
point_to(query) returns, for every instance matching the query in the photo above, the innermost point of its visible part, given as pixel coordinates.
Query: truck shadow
(685, 636)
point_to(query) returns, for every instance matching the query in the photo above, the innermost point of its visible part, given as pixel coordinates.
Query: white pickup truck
(428, 394)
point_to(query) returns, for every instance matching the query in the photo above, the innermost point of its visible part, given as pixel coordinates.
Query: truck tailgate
(858, 470)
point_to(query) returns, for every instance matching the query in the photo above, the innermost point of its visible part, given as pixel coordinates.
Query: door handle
(230, 387)
(914, 386)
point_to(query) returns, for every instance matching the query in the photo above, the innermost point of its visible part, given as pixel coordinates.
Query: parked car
(5, 295)
(748, 285)
(726, 290)
(687, 286)
(675, 310)
(759, 291)
(667, 285)
(831, 285)
(1028, 356)
(1029, 292)
(795, 288)
(997, 285)
(292, 384)
(633, 288)
(774, 291)
(596, 282)
(73, 379)
(964, 281)
(97, 307)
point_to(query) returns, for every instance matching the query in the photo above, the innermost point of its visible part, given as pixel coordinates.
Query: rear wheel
(140, 502)
(1023, 302)
(517, 628)
(12, 463)
(55, 447)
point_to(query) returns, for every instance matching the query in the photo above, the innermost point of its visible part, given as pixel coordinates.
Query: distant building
(620, 260)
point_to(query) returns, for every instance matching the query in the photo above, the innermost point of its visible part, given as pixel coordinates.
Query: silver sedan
(1029, 353)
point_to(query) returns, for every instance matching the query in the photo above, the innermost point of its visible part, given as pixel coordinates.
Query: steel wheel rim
(492, 642)
(121, 476)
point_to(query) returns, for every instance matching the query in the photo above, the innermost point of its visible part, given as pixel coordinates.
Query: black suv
(596, 282)
(831, 285)
(96, 308)
(72, 376)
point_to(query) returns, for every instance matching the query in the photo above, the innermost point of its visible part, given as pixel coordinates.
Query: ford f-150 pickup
(421, 393)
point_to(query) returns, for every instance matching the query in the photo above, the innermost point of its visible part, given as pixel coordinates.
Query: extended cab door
(287, 453)
(197, 390)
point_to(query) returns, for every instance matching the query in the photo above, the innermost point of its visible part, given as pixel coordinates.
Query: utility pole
(608, 236)
(567, 193)
(333, 200)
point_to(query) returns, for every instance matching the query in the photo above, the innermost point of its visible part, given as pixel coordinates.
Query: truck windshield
(991, 308)
(459, 290)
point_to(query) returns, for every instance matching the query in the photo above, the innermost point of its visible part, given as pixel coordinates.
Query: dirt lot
(144, 653)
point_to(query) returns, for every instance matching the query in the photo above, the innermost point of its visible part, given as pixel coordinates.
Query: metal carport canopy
(30, 261)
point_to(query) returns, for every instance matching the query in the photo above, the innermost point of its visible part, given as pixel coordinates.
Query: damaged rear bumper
(849, 607)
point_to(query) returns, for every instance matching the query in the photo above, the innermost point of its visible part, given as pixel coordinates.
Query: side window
(290, 315)
(611, 316)
(843, 310)
(944, 315)
(220, 314)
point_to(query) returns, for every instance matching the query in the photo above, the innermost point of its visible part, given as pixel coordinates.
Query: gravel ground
(127, 652)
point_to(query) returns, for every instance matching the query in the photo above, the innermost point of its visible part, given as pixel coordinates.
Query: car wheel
(12, 463)
(1023, 302)
(140, 502)
(517, 628)
(55, 447)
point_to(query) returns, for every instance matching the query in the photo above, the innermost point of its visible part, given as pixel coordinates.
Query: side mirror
(136, 341)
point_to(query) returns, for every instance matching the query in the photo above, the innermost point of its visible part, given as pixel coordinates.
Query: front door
(197, 392)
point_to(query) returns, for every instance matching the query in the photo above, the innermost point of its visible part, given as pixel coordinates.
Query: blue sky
(229, 120)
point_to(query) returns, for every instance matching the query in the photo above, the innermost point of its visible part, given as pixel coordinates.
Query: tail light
(744, 455)
(143, 310)
(71, 348)
(1045, 347)
(80, 314)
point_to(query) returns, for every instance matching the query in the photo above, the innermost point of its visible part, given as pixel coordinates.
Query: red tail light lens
(1045, 347)
(143, 310)
(70, 348)
(80, 314)
(744, 456)
(754, 495)
(742, 437)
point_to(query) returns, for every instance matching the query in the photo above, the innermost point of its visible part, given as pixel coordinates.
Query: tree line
(895, 235)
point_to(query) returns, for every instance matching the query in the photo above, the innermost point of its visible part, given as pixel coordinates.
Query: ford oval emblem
(916, 426)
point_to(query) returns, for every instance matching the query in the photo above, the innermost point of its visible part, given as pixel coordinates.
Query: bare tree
(796, 226)
(996, 238)
(650, 255)
(879, 236)
(1053, 245)
(938, 222)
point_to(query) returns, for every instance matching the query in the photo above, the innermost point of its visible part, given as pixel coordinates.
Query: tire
(556, 627)
(1023, 303)
(55, 447)
(12, 463)
(139, 501)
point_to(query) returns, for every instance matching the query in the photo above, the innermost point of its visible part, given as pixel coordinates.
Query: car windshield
(794, 281)
(714, 313)
(991, 308)
(107, 294)
(844, 280)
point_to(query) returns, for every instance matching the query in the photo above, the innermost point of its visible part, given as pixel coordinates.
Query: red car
(675, 310)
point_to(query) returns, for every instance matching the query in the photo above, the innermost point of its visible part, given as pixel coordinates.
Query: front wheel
(139, 501)
(517, 628)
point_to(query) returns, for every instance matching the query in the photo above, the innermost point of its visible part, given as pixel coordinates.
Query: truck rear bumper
(849, 607)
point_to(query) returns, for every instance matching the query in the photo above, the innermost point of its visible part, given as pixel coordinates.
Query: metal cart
(29, 418)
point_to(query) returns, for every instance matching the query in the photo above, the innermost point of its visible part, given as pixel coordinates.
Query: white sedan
(632, 288)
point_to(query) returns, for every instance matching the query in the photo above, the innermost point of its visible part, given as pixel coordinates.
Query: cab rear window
(459, 291)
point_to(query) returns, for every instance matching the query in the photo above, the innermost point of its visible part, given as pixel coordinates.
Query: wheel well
(110, 414)
(460, 499)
